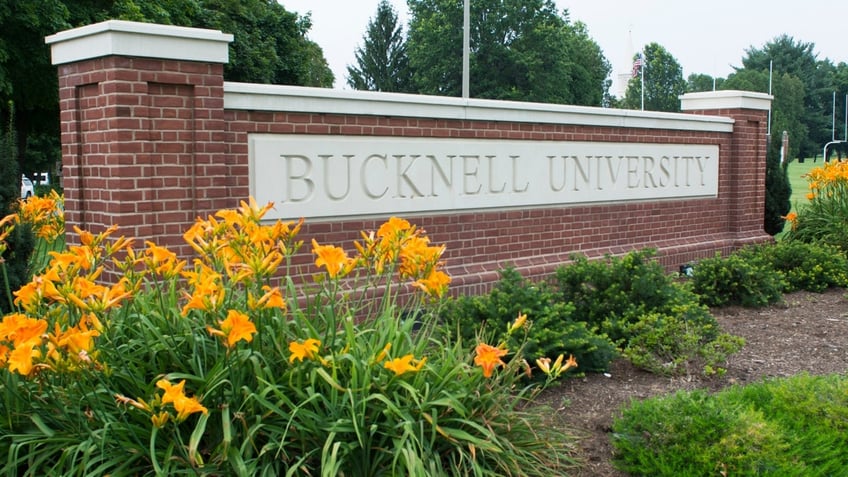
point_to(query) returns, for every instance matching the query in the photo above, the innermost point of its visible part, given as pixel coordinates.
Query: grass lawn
(798, 182)
(796, 171)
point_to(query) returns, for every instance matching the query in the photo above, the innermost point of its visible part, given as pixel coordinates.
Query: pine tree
(14, 263)
(382, 63)
(778, 189)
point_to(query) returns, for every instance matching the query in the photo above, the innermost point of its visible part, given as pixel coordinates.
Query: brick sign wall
(150, 143)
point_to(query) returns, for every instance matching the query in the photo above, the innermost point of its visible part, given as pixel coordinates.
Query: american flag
(637, 65)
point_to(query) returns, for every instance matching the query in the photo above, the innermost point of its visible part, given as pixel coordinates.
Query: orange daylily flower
(18, 328)
(162, 260)
(237, 326)
(405, 364)
(21, 358)
(436, 284)
(558, 367)
(175, 395)
(488, 357)
(303, 350)
(273, 298)
(517, 324)
(333, 258)
(392, 227)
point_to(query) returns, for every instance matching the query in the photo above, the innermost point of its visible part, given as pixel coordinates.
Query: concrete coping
(727, 99)
(134, 39)
(263, 97)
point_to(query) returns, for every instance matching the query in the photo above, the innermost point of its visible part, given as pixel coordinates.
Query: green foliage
(805, 266)
(671, 345)
(521, 50)
(270, 46)
(737, 280)
(382, 62)
(778, 191)
(554, 329)
(788, 427)
(589, 305)
(697, 82)
(785, 55)
(613, 294)
(823, 219)
(656, 321)
(207, 370)
(19, 244)
(664, 83)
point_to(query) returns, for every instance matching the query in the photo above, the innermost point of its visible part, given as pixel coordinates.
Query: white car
(27, 189)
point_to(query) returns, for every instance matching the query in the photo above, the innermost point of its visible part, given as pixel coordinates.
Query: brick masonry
(148, 145)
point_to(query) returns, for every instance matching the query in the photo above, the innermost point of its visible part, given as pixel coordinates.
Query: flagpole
(642, 74)
(466, 47)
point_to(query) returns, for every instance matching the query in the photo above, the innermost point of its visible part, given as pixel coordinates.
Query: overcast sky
(708, 36)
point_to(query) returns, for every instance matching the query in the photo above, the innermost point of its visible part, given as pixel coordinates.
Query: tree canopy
(664, 81)
(382, 62)
(270, 46)
(785, 55)
(521, 50)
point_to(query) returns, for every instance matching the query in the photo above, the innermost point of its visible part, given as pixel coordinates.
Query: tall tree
(382, 62)
(520, 50)
(663, 80)
(18, 244)
(28, 84)
(270, 47)
(697, 82)
(785, 55)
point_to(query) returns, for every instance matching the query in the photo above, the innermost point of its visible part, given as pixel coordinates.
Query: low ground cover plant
(794, 426)
(215, 367)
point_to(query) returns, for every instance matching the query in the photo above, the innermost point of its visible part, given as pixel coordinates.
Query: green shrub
(671, 345)
(789, 427)
(737, 280)
(805, 266)
(612, 294)
(657, 321)
(553, 329)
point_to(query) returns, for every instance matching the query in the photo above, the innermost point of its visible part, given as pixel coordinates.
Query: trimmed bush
(656, 321)
(553, 330)
(737, 280)
(805, 266)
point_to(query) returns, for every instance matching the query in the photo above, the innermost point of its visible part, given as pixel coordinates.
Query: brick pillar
(143, 133)
(746, 185)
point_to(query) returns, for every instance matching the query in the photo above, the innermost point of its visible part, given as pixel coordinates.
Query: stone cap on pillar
(146, 40)
(726, 99)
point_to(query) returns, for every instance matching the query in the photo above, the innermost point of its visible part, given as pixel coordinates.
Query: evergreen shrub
(747, 281)
(805, 266)
(554, 328)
